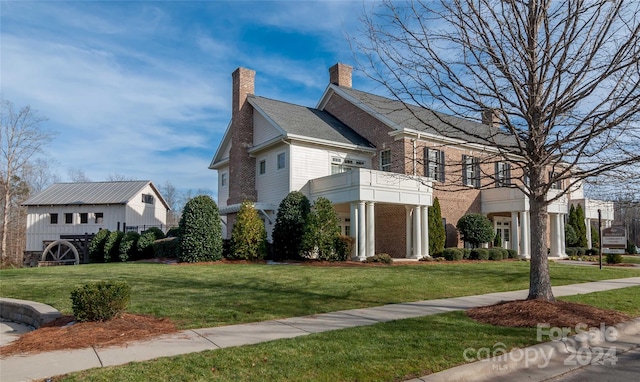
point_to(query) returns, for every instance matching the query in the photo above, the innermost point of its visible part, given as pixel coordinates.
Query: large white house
(381, 164)
(73, 210)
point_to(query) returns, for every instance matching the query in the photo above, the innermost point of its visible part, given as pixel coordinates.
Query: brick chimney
(490, 117)
(340, 74)
(242, 168)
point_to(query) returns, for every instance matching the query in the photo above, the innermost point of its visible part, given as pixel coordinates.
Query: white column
(362, 233)
(525, 237)
(425, 232)
(417, 231)
(563, 249)
(554, 237)
(371, 229)
(515, 243)
(408, 232)
(354, 229)
(587, 222)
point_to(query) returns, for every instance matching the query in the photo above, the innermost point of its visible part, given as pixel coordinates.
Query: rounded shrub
(466, 253)
(475, 229)
(614, 258)
(112, 246)
(322, 232)
(289, 228)
(200, 237)
(512, 254)
(128, 249)
(145, 245)
(166, 248)
(96, 247)
(480, 254)
(155, 231)
(495, 254)
(248, 237)
(452, 254)
(100, 301)
(379, 258)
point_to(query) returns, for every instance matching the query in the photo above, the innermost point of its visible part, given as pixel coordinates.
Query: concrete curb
(542, 361)
(27, 312)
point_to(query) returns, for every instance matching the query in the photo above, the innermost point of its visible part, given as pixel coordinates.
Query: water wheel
(61, 251)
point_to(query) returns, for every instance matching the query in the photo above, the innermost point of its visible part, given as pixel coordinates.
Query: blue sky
(141, 89)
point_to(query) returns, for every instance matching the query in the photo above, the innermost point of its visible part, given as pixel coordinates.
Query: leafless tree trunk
(20, 138)
(564, 77)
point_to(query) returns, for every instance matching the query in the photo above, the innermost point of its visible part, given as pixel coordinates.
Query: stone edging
(27, 312)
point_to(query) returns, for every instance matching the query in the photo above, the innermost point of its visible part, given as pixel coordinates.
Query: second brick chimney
(242, 183)
(340, 74)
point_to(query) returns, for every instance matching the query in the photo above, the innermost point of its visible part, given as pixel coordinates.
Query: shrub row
(581, 251)
(107, 246)
(495, 253)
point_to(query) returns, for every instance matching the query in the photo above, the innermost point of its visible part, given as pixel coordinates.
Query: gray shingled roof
(87, 193)
(421, 119)
(308, 122)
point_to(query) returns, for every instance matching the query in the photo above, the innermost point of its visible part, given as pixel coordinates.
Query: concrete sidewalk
(39, 366)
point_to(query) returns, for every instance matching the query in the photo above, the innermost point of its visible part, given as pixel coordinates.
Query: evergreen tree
(476, 229)
(572, 219)
(200, 235)
(581, 227)
(289, 227)
(437, 234)
(570, 236)
(322, 231)
(248, 236)
(595, 237)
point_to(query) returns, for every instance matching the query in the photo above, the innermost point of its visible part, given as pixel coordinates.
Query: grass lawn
(389, 351)
(631, 259)
(197, 296)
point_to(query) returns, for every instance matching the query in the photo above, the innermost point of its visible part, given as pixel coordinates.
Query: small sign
(615, 251)
(614, 240)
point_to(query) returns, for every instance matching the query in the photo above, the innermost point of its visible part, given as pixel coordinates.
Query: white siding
(273, 185)
(143, 214)
(263, 131)
(223, 191)
(40, 229)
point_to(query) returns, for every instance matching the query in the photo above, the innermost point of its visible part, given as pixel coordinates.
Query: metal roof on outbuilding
(91, 193)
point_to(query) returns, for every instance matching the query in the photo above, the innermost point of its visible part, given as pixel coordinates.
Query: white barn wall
(141, 214)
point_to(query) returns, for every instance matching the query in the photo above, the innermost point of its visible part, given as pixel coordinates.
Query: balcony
(371, 185)
(511, 199)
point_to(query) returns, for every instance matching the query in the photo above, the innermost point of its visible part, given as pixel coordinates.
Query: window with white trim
(503, 174)
(470, 171)
(53, 218)
(385, 160)
(84, 218)
(68, 218)
(434, 164)
(223, 179)
(557, 185)
(281, 161)
(262, 167)
(99, 217)
(147, 198)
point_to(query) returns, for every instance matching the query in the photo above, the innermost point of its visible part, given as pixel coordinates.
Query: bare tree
(117, 177)
(563, 77)
(172, 196)
(21, 137)
(77, 175)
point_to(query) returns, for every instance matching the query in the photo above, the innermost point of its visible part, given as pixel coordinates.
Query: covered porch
(359, 192)
(509, 207)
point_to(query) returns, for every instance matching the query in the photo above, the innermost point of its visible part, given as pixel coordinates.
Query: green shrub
(344, 247)
(452, 254)
(173, 232)
(631, 248)
(593, 252)
(129, 246)
(166, 248)
(570, 235)
(437, 255)
(512, 254)
(322, 232)
(200, 231)
(480, 254)
(289, 227)
(145, 245)
(571, 251)
(614, 258)
(437, 234)
(96, 247)
(248, 236)
(466, 253)
(475, 229)
(379, 258)
(100, 301)
(112, 246)
(157, 233)
(495, 254)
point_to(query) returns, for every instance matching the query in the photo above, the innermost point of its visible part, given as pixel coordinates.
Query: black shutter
(507, 181)
(426, 162)
(476, 170)
(441, 166)
(464, 170)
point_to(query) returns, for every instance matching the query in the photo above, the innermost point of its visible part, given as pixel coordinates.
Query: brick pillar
(340, 74)
(242, 181)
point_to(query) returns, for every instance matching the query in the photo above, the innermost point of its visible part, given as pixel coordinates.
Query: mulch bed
(115, 332)
(529, 313)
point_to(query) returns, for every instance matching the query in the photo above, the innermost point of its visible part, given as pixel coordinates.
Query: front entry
(503, 232)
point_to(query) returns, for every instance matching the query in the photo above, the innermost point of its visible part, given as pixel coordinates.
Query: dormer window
(147, 198)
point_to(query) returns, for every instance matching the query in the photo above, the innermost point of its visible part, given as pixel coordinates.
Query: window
(99, 216)
(147, 198)
(223, 179)
(557, 185)
(470, 171)
(84, 218)
(68, 218)
(503, 174)
(434, 164)
(385, 160)
(340, 165)
(263, 167)
(53, 218)
(281, 161)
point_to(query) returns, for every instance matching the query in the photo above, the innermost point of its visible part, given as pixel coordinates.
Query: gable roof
(301, 121)
(91, 193)
(403, 117)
